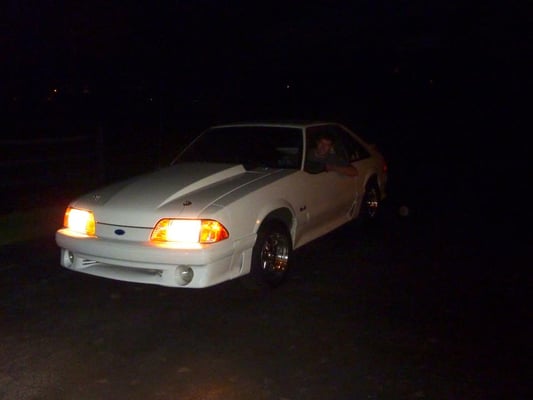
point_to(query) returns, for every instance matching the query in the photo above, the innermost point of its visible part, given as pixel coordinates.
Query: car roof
(301, 124)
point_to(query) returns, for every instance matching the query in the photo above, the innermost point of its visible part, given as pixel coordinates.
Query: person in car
(324, 155)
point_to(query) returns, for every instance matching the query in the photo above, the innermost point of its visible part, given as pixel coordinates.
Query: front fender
(281, 210)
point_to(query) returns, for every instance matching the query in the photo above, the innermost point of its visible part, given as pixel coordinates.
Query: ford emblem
(120, 232)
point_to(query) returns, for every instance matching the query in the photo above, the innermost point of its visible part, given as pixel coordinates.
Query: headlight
(201, 231)
(81, 221)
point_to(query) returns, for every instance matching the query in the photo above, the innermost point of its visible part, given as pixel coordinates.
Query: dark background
(441, 87)
(187, 63)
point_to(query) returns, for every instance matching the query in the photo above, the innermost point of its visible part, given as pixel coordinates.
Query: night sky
(414, 69)
(200, 47)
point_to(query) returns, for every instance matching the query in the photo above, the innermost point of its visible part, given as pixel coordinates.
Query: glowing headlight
(81, 221)
(201, 231)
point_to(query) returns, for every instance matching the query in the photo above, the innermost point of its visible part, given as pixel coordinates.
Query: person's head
(324, 143)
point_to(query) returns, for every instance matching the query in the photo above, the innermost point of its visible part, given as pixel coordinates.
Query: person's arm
(348, 170)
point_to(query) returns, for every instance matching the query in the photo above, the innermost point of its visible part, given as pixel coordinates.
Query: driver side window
(315, 132)
(352, 149)
(324, 146)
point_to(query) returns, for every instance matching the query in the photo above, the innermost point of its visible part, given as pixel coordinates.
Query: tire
(371, 205)
(270, 256)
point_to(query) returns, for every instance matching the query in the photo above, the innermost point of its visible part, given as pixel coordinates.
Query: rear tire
(270, 256)
(371, 205)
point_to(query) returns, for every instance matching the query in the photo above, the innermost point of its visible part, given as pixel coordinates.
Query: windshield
(251, 146)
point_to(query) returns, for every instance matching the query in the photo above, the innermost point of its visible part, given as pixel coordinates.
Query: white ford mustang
(234, 203)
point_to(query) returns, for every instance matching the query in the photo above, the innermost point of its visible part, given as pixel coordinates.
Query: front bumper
(145, 262)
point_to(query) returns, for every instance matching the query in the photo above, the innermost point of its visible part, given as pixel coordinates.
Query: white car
(234, 203)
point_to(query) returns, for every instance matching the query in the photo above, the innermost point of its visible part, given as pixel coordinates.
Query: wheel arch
(282, 214)
(372, 179)
(379, 180)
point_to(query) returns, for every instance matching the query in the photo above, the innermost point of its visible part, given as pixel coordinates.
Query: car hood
(183, 190)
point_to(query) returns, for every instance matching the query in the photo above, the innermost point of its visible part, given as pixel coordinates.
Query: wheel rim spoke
(372, 203)
(274, 255)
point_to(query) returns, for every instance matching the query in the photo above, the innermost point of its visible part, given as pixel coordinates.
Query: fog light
(67, 258)
(184, 275)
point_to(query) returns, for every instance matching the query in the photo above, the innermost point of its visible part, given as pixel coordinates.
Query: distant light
(404, 211)
(51, 95)
(288, 86)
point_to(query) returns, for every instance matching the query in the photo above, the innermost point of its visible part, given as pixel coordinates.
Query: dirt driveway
(415, 309)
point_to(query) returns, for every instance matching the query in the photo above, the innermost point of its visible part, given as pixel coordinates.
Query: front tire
(271, 255)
